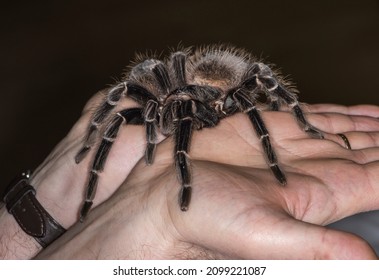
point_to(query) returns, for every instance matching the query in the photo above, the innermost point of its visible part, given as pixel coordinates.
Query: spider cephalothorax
(187, 91)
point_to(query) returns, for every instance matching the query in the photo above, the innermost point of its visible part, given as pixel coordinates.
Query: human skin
(238, 209)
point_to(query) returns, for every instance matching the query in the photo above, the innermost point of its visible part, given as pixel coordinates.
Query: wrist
(25, 224)
(14, 242)
(58, 195)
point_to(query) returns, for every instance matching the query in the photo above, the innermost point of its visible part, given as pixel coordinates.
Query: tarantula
(189, 90)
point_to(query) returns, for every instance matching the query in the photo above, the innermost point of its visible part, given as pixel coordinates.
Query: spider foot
(85, 209)
(81, 154)
(279, 174)
(149, 153)
(313, 132)
(185, 198)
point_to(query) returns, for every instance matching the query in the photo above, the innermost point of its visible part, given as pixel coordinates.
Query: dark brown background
(55, 55)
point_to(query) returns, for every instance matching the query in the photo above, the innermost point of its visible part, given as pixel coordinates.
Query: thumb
(324, 243)
(294, 239)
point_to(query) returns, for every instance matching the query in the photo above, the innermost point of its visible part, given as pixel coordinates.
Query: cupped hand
(238, 209)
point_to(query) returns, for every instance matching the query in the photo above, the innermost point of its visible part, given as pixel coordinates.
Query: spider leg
(129, 116)
(250, 83)
(151, 124)
(274, 104)
(143, 96)
(247, 105)
(191, 114)
(264, 137)
(179, 65)
(182, 138)
(275, 88)
(113, 97)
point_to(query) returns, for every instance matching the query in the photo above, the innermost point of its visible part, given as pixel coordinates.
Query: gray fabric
(365, 225)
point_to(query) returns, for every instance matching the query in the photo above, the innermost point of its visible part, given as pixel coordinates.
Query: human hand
(238, 209)
(60, 182)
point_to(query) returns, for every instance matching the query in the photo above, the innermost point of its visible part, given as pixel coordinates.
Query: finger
(363, 110)
(364, 148)
(354, 140)
(293, 239)
(361, 140)
(340, 123)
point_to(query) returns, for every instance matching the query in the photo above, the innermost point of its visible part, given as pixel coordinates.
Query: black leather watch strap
(22, 203)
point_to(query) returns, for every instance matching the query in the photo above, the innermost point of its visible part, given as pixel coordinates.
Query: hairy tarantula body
(187, 91)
